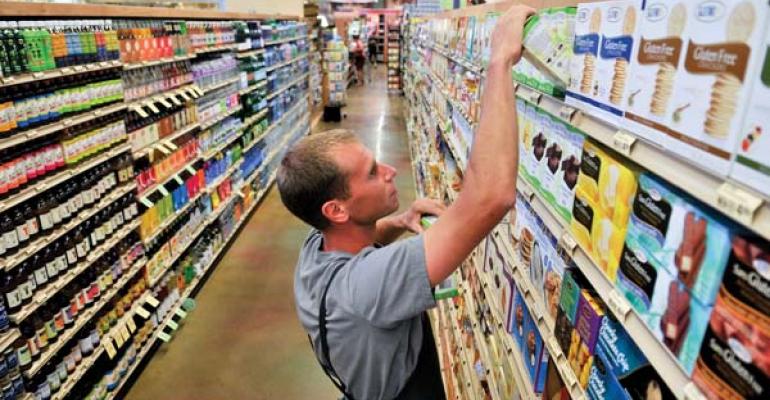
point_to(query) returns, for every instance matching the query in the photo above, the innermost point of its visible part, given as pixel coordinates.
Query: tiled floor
(244, 341)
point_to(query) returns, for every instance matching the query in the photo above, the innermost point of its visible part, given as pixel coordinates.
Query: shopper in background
(361, 295)
(372, 55)
(359, 59)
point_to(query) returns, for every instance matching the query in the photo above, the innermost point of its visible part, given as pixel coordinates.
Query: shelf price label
(165, 337)
(152, 301)
(109, 347)
(737, 203)
(567, 113)
(527, 192)
(618, 305)
(568, 243)
(623, 142)
(152, 107)
(174, 100)
(184, 95)
(142, 312)
(131, 324)
(164, 102)
(172, 324)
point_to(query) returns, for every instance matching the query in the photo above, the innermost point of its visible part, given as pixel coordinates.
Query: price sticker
(737, 203)
(125, 333)
(619, 306)
(38, 75)
(623, 142)
(184, 95)
(66, 70)
(103, 64)
(152, 301)
(191, 170)
(164, 102)
(192, 92)
(118, 338)
(131, 325)
(181, 313)
(691, 392)
(165, 337)
(78, 68)
(527, 192)
(173, 325)
(163, 191)
(139, 110)
(174, 100)
(568, 243)
(146, 202)
(142, 312)
(109, 347)
(152, 107)
(567, 112)
(160, 147)
(178, 180)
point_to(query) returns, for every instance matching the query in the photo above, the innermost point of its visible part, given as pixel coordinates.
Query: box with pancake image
(547, 43)
(617, 23)
(734, 360)
(752, 164)
(677, 234)
(710, 93)
(559, 174)
(535, 355)
(603, 198)
(620, 370)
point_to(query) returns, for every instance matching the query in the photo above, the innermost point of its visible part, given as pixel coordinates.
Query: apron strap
(326, 362)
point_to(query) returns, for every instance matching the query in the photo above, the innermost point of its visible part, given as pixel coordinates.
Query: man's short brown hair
(308, 177)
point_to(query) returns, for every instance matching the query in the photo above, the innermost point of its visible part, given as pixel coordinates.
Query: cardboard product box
(590, 314)
(535, 355)
(604, 77)
(585, 49)
(563, 330)
(500, 274)
(546, 267)
(559, 173)
(622, 360)
(734, 361)
(533, 141)
(605, 191)
(572, 283)
(520, 314)
(489, 25)
(555, 389)
(545, 125)
(751, 165)
(710, 94)
(524, 229)
(678, 235)
(547, 42)
(580, 359)
(602, 384)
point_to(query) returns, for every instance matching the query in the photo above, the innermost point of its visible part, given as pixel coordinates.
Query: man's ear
(335, 212)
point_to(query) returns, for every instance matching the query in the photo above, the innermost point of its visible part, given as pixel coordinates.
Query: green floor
(244, 341)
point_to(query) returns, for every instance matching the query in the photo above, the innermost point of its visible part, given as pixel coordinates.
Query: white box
(604, 45)
(752, 150)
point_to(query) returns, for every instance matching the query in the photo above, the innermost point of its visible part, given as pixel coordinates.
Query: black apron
(424, 383)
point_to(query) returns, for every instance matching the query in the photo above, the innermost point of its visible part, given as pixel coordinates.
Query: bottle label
(12, 298)
(24, 355)
(55, 216)
(41, 276)
(82, 249)
(87, 196)
(127, 213)
(25, 290)
(72, 256)
(22, 231)
(11, 239)
(61, 263)
(94, 237)
(64, 211)
(46, 222)
(52, 268)
(78, 203)
(33, 226)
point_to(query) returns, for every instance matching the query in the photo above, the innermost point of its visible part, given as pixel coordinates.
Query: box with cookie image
(751, 165)
(604, 70)
(604, 195)
(535, 355)
(519, 314)
(671, 231)
(734, 360)
(499, 273)
(547, 43)
(538, 135)
(558, 175)
(620, 370)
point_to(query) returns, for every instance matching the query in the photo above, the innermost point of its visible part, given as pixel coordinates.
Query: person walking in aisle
(372, 56)
(361, 294)
(359, 59)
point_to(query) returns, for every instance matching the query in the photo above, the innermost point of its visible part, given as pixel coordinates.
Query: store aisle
(243, 341)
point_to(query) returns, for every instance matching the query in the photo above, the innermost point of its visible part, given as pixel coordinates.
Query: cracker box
(710, 90)
(604, 75)
(548, 42)
(678, 235)
(734, 361)
(603, 200)
(752, 164)
(559, 174)
(590, 313)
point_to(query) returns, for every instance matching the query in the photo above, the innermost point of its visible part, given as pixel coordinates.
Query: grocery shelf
(287, 86)
(45, 130)
(87, 362)
(446, 53)
(253, 87)
(145, 150)
(249, 53)
(153, 280)
(222, 84)
(285, 63)
(62, 176)
(223, 146)
(159, 97)
(58, 72)
(210, 188)
(742, 204)
(225, 47)
(170, 220)
(479, 339)
(287, 40)
(274, 124)
(658, 355)
(189, 291)
(219, 118)
(7, 338)
(85, 316)
(466, 361)
(169, 178)
(165, 60)
(254, 118)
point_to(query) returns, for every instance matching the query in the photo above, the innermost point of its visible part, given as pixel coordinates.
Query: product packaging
(734, 361)
(520, 314)
(559, 173)
(555, 389)
(534, 138)
(545, 267)
(572, 284)
(535, 355)
(603, 200)
(590, 313)
(580, 359)
(500, 275)
(604, 39)
(547, 42)
(752, 165)
(725, 46)
(563, 330)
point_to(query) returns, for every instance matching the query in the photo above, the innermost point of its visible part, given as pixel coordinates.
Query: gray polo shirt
(373, 306)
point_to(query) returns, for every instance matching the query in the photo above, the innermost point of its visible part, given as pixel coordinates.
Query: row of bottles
(162, 166)
(219, 134)
(214, 71)
(36, 46)
(146, 131)
(66, 253)
(24, 165)
(205, 34)
(142, 82)
(168, 244)
(36, 103)
(249, 32)
(150, 40)
(165, 204)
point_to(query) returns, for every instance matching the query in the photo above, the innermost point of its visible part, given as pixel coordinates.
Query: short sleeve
(390, 284)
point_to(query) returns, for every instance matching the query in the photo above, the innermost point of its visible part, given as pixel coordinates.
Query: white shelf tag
(173, 325)
(109, 347)
(65, 70)
(174, 100)
(618, 305)
(165, 337)
(38, 75)
(181, 313)
(118, 339)
(691, 392)
(567, 112)
(78, 68)
(142, 312)
(147, 203)
(555, 349)
(567, 242)
(164, 102)
(527, 192)
(162, 148)
(125, 333)
(184, 95)
(152, 301)
(139, 110)
(178, 179)
(737, 203)
(623, 142)
(163, 191)
(131, 324)
(152, 107)
(191, 170)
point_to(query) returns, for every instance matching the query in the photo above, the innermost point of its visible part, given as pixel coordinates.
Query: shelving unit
(188, 97)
